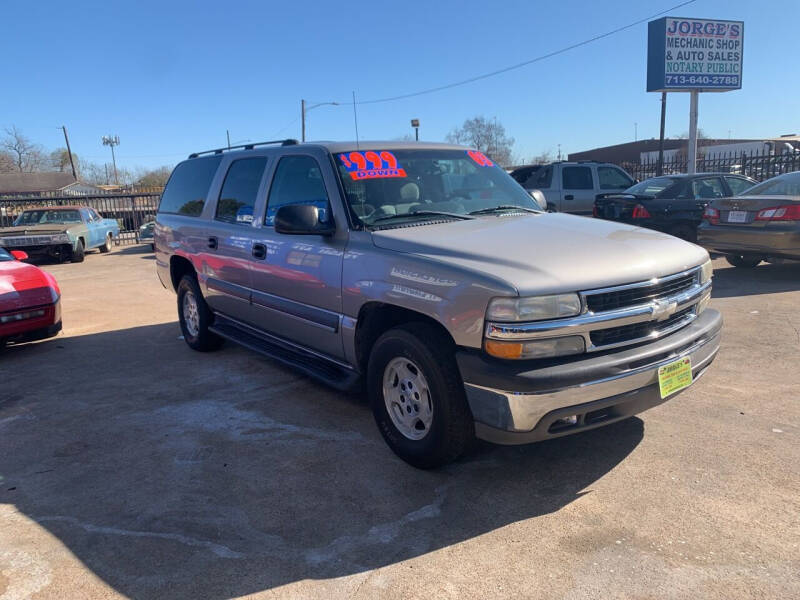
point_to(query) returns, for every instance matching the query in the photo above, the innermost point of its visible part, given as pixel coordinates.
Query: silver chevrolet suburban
(426, 275)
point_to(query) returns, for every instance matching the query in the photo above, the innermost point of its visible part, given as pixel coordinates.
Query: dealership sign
(694, 55)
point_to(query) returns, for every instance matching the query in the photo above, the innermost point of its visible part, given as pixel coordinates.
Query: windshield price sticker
(675, 376)
(480, 158)
(371, 165)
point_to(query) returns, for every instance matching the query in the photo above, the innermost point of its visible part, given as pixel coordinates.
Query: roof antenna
(355, 118)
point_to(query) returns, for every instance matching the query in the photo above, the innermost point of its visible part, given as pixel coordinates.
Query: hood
(549, 252)
(23, 285)
(37, 229)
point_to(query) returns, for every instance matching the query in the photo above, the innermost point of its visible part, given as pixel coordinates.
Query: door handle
(259, 251)
(212, 243)
(569, 197)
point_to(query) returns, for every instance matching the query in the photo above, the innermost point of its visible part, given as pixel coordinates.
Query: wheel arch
(375, 318)
(178, 267)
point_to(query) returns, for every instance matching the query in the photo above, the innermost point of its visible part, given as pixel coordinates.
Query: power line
(527, 62)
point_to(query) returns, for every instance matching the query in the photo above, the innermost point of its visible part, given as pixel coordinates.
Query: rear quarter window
(188, 185)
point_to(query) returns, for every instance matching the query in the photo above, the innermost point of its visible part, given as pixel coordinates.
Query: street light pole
(304, 110)
(415, 125)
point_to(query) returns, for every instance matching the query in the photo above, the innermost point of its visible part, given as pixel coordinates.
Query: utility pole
(69, 151)
(112, 140)
(635, 131)
(660, 167)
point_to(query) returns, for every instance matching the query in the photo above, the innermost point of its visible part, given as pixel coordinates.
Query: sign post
(694, 55)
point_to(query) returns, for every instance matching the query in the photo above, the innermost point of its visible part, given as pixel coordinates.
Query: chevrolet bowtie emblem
(663, 310)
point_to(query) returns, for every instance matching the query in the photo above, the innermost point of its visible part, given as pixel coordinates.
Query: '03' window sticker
(371, 165)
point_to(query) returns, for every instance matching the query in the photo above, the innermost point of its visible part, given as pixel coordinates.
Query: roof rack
(286, 142)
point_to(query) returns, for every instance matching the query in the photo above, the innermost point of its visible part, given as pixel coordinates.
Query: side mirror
(301, 219)
(539, 198)
(19, 254)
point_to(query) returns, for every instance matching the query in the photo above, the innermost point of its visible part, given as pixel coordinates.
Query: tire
(684, 232)
(107, 246)
(153, 247)
(77, 252)
(195, 322)
(438, 435)
(743, 261)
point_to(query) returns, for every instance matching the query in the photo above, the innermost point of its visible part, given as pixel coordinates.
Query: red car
(30, 301)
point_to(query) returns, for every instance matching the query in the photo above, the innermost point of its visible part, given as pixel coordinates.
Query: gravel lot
(132, 466)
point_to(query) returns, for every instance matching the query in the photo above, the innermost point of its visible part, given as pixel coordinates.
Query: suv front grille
(632, 296)
(629, 333)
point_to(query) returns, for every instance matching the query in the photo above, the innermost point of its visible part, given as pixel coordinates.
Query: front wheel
(417, 396)
(195, 317)
(77, 252)
(743, 261)
(107, 246)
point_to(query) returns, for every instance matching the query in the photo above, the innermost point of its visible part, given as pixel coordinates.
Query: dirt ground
(133, 466)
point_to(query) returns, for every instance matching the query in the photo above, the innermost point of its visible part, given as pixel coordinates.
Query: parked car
(761, 224)
(146, 234)
(30, 301)
(60, 232)
(673, 204)
(525, 175)
(572, 187)
(425, 272)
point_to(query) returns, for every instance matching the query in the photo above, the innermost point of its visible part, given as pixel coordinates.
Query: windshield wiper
(422, 213)
(486, 211)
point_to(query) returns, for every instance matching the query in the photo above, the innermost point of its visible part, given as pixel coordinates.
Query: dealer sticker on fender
(675, 376)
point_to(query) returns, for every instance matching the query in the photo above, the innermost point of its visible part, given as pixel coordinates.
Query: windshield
(45, 216)
(783, 185)
(380, 185)
(651, 187)
(5, 256)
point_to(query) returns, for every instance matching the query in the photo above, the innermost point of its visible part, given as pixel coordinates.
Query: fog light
(548, 347)
(566, 421)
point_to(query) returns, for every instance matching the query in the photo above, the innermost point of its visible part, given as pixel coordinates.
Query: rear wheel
(195, 317)
(77, 252)
(743, 261)
(107, 246)
(417, 396)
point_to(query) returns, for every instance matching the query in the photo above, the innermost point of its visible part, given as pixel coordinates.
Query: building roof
(22, 183)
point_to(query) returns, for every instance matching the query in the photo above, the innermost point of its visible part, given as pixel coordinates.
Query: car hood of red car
(23, 285)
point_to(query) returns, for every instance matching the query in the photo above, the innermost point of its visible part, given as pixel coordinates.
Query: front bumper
(773, 239)
(517, 404)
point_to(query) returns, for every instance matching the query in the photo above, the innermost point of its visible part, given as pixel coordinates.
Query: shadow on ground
(764, 279)
(175, 474)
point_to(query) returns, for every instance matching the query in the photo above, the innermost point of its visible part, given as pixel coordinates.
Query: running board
(316, 366)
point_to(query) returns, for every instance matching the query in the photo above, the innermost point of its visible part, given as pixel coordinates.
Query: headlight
(535, 308)
(548, 347)
(706, 272)
(60, 238)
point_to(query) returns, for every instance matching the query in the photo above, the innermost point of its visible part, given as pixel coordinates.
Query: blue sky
(170, 77)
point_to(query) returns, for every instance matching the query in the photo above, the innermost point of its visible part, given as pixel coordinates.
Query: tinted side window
(543, 178)
(188, 185)
(238, 194)
(297, 180)
(577, 178)
(738, 185)
(613, 179)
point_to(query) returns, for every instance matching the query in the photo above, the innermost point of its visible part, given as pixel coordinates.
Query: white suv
(572, 187)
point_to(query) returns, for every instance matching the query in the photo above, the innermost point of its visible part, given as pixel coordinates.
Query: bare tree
(27, 156)
(542, 158)
(486, 135)
(7, 164)
(153, 177)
